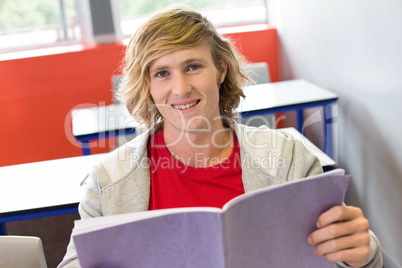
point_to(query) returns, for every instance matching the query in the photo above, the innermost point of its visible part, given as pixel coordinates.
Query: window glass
(221, 12)
(32, 23)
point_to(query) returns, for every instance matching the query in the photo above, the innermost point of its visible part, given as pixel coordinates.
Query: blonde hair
(171, 30)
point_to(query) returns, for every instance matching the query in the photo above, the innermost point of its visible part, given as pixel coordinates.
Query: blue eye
(162, 74)
(193, 67)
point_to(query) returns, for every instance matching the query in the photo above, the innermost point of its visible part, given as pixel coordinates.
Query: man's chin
(192, 126)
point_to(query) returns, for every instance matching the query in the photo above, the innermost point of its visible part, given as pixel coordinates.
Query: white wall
(354, 48)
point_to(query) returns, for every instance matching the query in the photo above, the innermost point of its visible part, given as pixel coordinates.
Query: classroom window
(26, 24)
(221, 12)
(33, 23)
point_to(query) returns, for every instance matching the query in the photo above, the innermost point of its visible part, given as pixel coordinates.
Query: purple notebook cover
(265, 228)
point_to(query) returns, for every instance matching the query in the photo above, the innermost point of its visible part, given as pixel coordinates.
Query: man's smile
(185, 106)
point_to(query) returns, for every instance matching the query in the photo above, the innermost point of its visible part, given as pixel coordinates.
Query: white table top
(101, 119)
(283, 94)
(44, 184)
(57, 182)
(258, 97)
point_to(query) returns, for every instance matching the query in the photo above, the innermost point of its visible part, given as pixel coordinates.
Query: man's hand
(342, 235)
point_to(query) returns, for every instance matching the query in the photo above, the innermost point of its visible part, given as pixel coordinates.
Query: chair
(121, 139)
(21, 252)
(116, 80)
(259, 73)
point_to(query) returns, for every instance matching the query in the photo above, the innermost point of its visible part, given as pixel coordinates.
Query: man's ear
(224, 69)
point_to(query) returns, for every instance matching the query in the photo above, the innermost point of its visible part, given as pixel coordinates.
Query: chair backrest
(116, 80)
(21, 252)
(258, 72)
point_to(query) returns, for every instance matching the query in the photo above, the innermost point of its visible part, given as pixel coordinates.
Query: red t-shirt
(174, 184)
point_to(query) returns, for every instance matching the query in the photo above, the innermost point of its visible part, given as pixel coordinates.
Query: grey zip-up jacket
(121, 182)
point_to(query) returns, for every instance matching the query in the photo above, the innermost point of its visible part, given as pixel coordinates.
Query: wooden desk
(42, 189)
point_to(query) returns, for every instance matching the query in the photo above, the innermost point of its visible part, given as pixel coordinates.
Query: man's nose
(181, 85)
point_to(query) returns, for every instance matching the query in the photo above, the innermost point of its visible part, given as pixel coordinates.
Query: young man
(184, 82)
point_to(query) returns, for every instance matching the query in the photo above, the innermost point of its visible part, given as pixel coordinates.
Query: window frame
(82, 40)
(65, 41)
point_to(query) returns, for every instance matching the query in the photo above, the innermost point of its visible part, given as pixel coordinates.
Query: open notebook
(264, 228)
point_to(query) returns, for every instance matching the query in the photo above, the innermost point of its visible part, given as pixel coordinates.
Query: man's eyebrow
(167, 67)
(158, 68)
(191, 60)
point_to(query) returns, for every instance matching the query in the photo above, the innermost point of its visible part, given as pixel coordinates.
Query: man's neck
(199, 148)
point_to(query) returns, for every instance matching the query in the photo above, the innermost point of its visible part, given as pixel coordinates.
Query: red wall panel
(37, 95)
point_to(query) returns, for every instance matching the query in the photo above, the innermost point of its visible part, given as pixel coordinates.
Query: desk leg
(299, 120)
(85, 148)
(328, 131)
(3, 230)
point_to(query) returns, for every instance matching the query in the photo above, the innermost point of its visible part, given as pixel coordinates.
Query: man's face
(185, 88)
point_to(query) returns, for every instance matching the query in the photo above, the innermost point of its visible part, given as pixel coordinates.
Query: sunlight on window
(27, 24)
(220, 12)
(37, 22)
